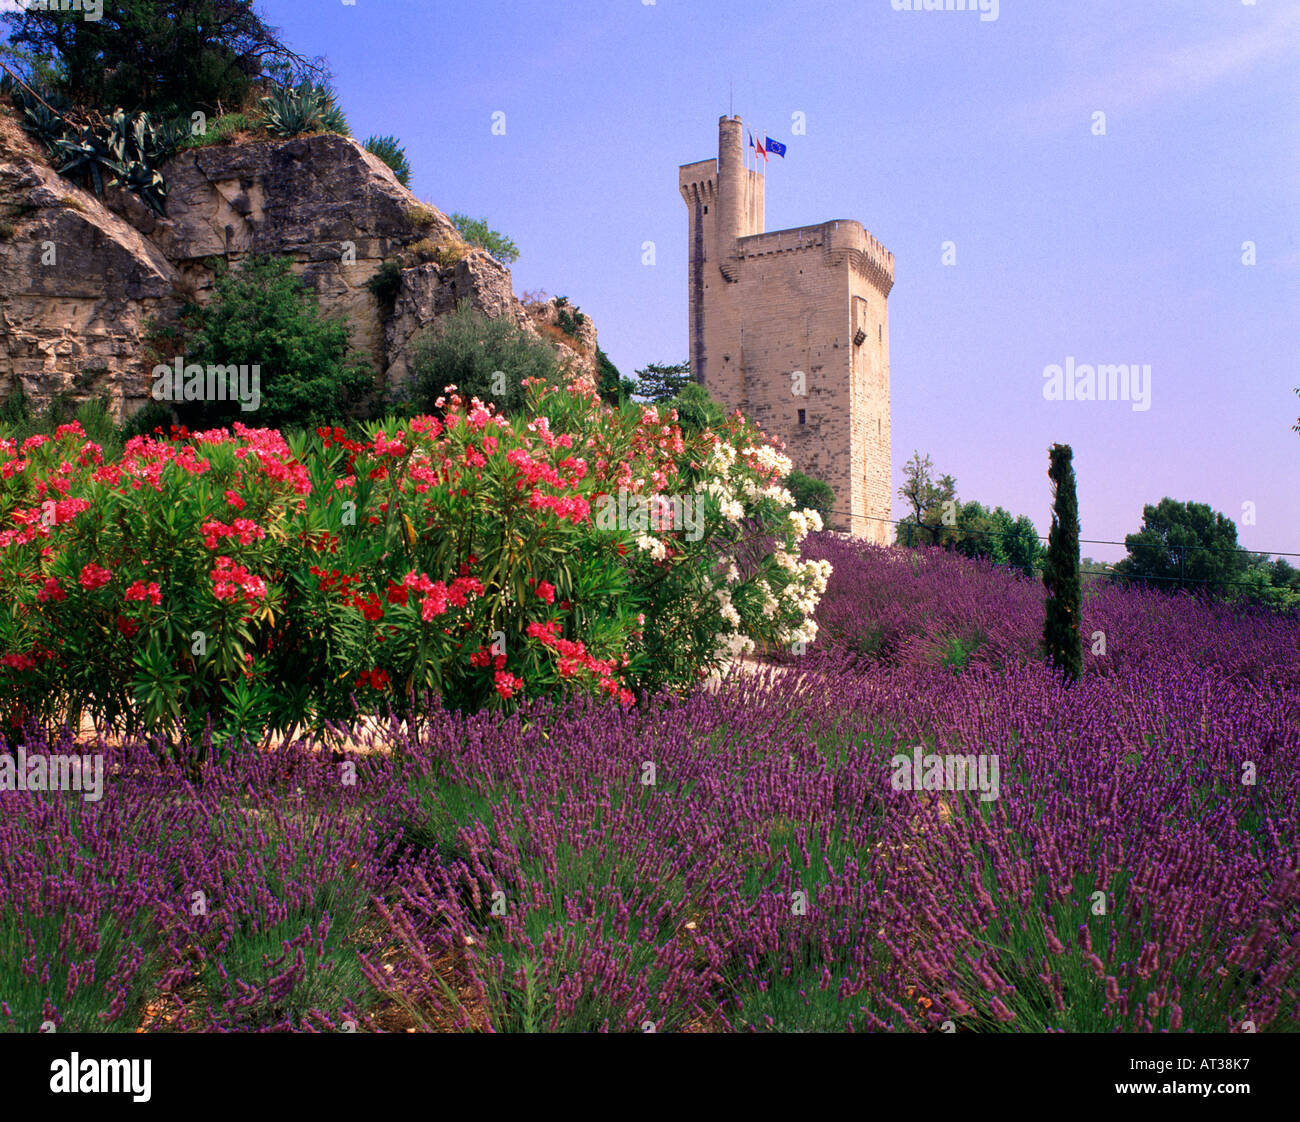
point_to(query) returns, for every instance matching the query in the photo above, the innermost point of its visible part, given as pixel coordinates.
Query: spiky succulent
(388, 149)
(304, 108)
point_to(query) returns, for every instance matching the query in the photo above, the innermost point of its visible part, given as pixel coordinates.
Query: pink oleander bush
(236, 579)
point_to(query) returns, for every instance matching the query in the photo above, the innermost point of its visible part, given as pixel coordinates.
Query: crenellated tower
(790, 327)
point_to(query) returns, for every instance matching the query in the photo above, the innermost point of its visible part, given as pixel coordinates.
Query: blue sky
(927, 127)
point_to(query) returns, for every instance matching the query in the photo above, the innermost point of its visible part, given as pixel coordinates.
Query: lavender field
(740, 859)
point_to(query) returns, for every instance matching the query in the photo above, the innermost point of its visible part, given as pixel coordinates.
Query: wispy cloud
(1142, 79)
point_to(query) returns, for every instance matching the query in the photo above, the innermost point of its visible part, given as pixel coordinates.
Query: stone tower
(768, 307)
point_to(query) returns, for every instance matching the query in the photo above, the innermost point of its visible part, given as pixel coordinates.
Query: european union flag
(776, 147)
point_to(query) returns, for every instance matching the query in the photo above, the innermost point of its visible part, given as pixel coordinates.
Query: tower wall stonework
(765, 307)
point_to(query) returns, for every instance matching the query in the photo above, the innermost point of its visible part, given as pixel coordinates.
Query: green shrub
(696, 410)
(569, 320)
(218, 131)
(420, 215)
(262, 315)
(446, 256)
(13, 409)
(467, 349)
(613, 388)
(810, 492)
(98, 424)
(152, 415)
(477, 232)
(385, 284)
(393, 154)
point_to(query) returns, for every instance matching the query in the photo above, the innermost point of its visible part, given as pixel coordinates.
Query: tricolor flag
(757, 146)
(776, 147)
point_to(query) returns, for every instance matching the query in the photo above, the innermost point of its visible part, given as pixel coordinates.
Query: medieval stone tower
(767, 307)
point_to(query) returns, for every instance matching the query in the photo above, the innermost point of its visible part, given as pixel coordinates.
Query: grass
(224, 129)
(420, 215)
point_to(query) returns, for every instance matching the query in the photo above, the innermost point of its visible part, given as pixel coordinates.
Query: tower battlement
(766, 306)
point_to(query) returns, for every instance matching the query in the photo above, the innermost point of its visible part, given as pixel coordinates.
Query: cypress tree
(1061, 640)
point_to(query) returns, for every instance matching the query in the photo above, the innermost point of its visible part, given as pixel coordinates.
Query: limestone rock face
(428, 291)
(576, 345)
(336, 210)
(77, 283)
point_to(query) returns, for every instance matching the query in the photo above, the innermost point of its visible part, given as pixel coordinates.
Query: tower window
(706, 210)
(803, 417)
(880, 332)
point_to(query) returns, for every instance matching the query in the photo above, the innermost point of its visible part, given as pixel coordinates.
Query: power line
(1044, 537)
(1109, 574)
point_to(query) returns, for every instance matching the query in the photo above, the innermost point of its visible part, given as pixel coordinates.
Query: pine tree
(1061, 640)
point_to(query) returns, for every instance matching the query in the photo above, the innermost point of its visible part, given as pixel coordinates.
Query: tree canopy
(175, 55)
(660, 382)
(938, 517)
(1184, 545)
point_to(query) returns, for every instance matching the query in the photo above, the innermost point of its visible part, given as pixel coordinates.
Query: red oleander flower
(139, 590)
(94, 576)
(507, 685)
(51, 590)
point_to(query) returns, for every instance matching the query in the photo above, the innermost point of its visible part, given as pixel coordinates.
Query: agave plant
(41, 117)
(86, 156)
(291, 111)
(169, 135)
(307, 107)
(388, 149)
(120, 153)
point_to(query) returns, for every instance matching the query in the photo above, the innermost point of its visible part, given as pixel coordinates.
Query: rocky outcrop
(428, 291)
(77, 284)
(576, 342)
(336, 210)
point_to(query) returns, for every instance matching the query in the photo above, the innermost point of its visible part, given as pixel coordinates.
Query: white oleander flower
(653, 546)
